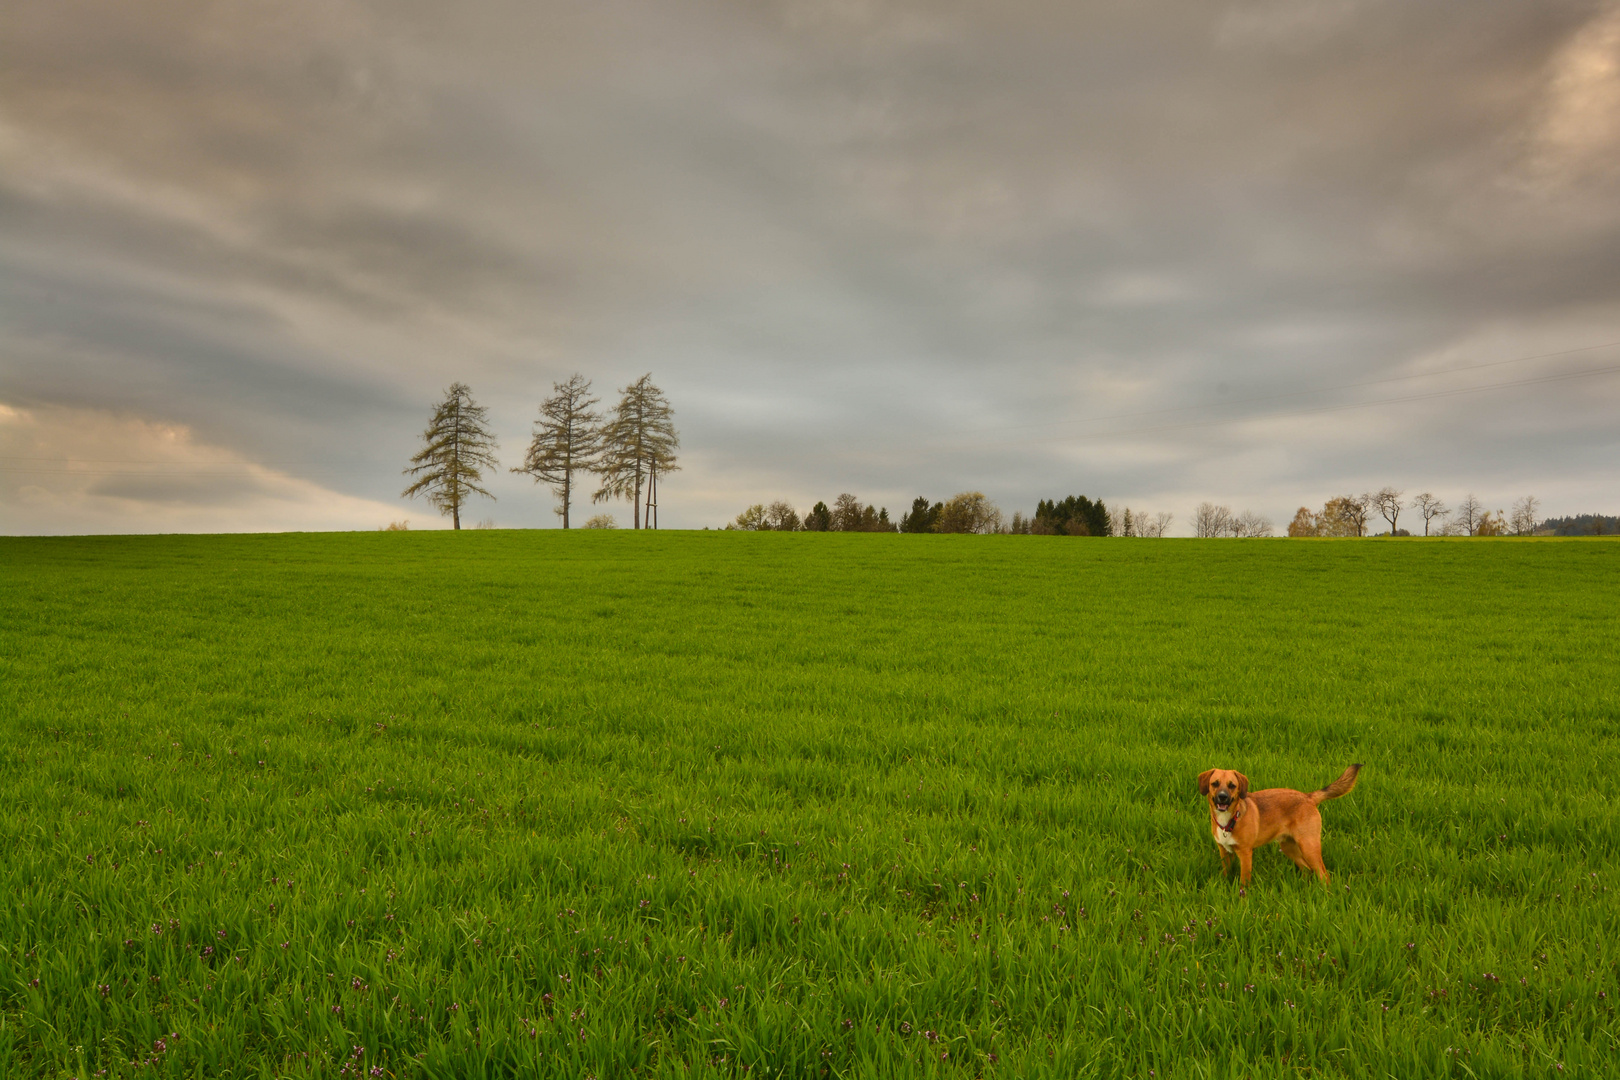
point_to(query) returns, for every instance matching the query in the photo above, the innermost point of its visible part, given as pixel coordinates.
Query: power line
(188, 464)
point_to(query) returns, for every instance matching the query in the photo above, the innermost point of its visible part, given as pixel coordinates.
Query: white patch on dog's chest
(1223, 837)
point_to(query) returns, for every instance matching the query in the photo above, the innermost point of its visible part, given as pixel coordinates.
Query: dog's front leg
(1226, 860)
(1246, 863)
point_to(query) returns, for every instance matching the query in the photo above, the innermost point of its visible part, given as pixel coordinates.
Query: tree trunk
(455, 515)
(635, 503)
(567, 477)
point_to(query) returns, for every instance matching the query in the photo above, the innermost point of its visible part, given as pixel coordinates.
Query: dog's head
(1223, 787)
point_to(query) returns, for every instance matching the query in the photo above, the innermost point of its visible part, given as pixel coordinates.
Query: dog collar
(1227, 828)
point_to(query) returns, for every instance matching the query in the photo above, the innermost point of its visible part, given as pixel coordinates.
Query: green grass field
(756, 805)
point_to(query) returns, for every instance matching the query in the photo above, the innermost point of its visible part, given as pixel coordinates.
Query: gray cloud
(220, 491)
(1137, 250)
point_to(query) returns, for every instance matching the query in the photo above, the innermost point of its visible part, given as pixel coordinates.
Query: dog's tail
(1341, 786)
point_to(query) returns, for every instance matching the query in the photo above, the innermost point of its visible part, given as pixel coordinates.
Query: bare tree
(567, 439)
(1524, 516)
(846, 513)
(638, 446)
(459, 447)
(1357, 508)
(782, 517)
(1130, 522)
(1343, 516)
(1158, 525)
(1210, 520)
(969, 512)
(1251, 525)
(1430, 508)
(1469, 512)
(1388, 504)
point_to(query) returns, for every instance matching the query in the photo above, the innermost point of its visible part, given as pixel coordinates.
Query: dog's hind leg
(1291, 849)
(1309, 840)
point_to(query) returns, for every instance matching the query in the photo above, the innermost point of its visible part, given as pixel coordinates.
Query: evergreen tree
(567, 439)
(1074, 516)
(638, 446)
(458, 447)
(922, 518)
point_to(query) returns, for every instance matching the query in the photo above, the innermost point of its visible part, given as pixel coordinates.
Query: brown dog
(1241, 821)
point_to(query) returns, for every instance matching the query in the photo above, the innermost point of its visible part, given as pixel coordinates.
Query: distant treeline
(965, 512)
(1080, 515)
(968, 512)
(1349, 515)
(1580, 525)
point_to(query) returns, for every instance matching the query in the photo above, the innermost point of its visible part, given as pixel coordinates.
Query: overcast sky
(1258, 253)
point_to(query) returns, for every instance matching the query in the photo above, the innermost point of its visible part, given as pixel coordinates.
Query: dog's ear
(1203, 781)
(1243, 786)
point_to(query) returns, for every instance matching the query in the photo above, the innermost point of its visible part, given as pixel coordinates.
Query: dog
(1241, 821)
